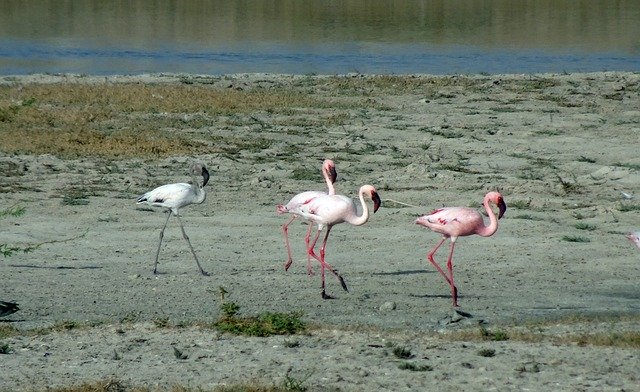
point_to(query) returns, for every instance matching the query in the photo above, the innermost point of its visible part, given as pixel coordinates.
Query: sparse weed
(574, 238)
(5, 348)
(414, 367)
(497, 336)
(402, 352)
(627, 207)
(487, 352)
(586, 159)
(584, 226)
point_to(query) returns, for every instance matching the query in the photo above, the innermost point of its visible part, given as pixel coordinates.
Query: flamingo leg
(155, 263)
(285, 232)
(193, 252)
(326, 265)
(306, 241)
(448, 278)
(310, 252)
(454, 289)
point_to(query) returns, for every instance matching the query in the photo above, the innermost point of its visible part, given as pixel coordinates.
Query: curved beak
(333, 174)
(502, 207)
(205, 176)
(376, 201)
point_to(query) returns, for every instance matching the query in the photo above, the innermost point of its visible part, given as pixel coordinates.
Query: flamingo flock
(327, 209)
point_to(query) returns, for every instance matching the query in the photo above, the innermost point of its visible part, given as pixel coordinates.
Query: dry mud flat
(562, 149)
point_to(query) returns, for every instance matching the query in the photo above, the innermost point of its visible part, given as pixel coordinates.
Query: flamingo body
(172, 197)
(330, 175)
(327, 211)
(454, 222)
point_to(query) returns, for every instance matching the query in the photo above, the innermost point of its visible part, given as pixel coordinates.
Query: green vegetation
(265, 324)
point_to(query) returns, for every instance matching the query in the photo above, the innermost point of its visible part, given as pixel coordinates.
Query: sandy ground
(562, 154)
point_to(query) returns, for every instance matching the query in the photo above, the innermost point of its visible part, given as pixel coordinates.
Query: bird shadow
(399, 273)
(432, 296)
(55, 267)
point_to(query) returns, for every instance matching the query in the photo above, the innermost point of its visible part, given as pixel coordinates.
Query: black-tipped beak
(205, 176)
(333, 174)
(376, 201)
(502, 207)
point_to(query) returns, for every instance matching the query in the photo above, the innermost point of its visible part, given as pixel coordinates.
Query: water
(318, 36)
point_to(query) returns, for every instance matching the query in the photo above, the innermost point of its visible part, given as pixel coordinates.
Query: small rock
(388, 306)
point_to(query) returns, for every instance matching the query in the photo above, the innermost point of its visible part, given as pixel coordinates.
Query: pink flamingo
(454, 222)
(634, 237)
(329, 173)
(331, 210)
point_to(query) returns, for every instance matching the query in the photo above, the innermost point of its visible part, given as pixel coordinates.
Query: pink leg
(306, 241)
(285, 232)
(448, 278)
(326, 265)
(454, 289)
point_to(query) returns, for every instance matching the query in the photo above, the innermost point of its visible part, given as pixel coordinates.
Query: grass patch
(487, 352)
(496, 336)
(5, 348)
(414, 367)
(627, 207)
(584, 226)
(402, 352)
(519, 204)
(265, 324)
(527, 217)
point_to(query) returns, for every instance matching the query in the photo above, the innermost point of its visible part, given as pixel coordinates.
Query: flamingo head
(329, 167)
(498, 200)
(199, 169)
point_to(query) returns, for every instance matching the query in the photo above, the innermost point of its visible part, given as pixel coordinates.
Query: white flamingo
(175, 196)
(327, 211)
(329, 173)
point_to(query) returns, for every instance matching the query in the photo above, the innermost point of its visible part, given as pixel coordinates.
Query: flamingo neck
(331, 190)
(362, 219)
(198, 191)
(486, 231)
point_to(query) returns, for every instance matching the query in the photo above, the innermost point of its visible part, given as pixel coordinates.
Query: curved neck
(487, 231)
(362, 219)
(331, 190)
(198, 190)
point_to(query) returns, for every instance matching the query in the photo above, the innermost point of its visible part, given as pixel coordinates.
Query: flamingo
(329, 210)
(175, 196)
(634, 237)
(329, 173)
(454, 222)
(7, 308)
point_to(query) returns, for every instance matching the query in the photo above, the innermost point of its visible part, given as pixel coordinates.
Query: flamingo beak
(333, 174)
(502, 207)
(376, 201)
(205, 176)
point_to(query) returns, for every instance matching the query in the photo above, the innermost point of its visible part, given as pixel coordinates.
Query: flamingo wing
(166, 194)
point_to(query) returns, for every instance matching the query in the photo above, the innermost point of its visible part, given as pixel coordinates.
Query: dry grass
(126, 120)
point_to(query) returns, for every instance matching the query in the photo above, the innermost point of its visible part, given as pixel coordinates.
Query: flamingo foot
(344, 285)
(326, 296)
(205, 273)
(288, 264)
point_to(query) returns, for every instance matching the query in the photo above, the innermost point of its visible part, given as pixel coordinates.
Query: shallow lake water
(319, 36)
